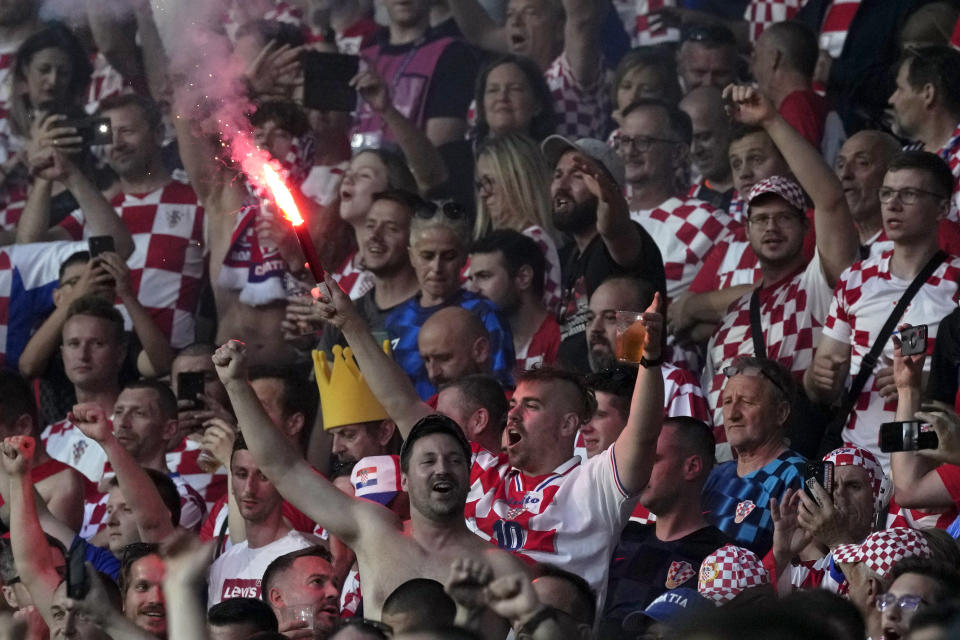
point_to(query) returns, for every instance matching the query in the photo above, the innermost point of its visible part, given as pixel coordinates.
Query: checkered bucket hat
(728, 571)
(883, 549)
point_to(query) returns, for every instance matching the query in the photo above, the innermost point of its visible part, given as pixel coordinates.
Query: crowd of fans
(445, 437)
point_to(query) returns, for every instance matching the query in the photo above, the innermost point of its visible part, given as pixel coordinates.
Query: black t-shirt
(582, 273)
(945, 365)
(373, 315)
(643, 567)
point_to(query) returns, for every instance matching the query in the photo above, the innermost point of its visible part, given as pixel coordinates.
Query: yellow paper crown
(345, 397)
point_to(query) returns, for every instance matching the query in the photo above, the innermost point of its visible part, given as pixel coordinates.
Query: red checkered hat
(882, 549)
(728, 571)
(857, 457)
(782, 186)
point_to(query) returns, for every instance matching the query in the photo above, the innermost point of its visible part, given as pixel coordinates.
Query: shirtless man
(435, 465)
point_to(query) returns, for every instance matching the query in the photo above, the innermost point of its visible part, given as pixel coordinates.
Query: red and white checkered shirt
(634, 14)
(192, 508)
(729, 263)
(792, 312)
(582, 112)
(836, 23)
(167, 266)
(865, 296)
(898, 516)
(105, 82)
(542, 348)
(950, 152)
(551, 284)
(571, 517)
(183, 460)
(684, 229)
(760, 14)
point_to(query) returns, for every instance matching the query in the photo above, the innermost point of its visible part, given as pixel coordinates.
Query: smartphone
(326, 81)
(100, 244)
(77, 585)
(909, 435)
(92, 130)
(913, 340)
(190, 385)
(820, 471)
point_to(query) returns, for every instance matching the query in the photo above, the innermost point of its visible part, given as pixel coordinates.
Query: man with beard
(435, 464)
(537, 499)
(588, 203)
(508, 268)
(237, 573)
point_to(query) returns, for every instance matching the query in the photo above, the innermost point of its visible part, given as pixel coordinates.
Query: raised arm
(581, 38)
(149, 512)
(280, 461)
(837, 240)
(916, 483)
(477, 25)
(620, 235)
(636, 446)
(31, 551)
(115, 36)
(386, 379)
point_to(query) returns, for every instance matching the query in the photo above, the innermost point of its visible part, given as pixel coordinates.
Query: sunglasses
(754, 371)
(450, 210)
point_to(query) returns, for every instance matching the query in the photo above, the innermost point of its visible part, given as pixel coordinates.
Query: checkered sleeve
(74, 224)
(839, 323)
(582, 112)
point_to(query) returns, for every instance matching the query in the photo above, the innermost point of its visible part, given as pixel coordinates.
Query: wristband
(530, 626)
(656, 362)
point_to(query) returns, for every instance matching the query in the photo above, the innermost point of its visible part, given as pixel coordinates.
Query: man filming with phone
(856, 343)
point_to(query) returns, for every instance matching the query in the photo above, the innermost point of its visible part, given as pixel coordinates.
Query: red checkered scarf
(882, 549)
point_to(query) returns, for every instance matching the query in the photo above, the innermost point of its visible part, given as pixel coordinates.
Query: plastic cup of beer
(631, 336)
(300, 616)
(207, 462)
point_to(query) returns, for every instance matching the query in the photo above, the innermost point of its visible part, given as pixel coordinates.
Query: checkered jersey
(740, 506)
(552, 286)
(350, 596)
(105, 82)
(684, 229)
(28, 276)
(898, 516)
(66, 443)
(582, 112)
(404, 322)
(183, 460)
(192, 508)
(166, 268)
(728, 263)
(353, 278)
(865, 296)
(636, 21)
(836, 23)
(571, 517)
(950, 152)
(762, 13)
(542, 348)
(792, 312)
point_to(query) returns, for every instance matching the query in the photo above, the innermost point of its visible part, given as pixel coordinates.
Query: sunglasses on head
(754, 371)
(450, 210)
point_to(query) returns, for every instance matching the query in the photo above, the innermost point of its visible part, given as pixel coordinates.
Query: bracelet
(530, 626)
(656, 362)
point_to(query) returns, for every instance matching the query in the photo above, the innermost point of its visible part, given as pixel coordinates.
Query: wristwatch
(656, 362)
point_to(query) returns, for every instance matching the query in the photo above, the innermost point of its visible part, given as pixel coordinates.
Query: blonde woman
(513, 192)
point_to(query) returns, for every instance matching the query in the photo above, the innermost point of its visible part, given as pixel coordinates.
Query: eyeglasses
(450, 210)
(640, 143)
(754, 371)
(906, 603)
(907, 195)
(778, 219)
(484, 185)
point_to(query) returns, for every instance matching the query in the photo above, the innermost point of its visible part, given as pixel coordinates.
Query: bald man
(861, 165)
(453, 343)
(710, 145)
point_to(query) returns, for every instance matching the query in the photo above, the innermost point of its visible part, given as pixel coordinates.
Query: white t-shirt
(237, 573)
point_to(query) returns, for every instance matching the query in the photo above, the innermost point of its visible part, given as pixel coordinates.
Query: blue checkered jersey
(404, 322)
(740, 507)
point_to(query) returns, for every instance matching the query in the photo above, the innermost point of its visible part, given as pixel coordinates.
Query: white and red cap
(857, 457)
(728, 571)
(883, 549)
(781, 186)
(376, 478)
